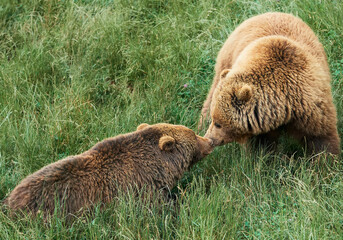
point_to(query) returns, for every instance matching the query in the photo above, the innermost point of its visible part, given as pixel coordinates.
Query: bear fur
(272, 75)
(154, 157)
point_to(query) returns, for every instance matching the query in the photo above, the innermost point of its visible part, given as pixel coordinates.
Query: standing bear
(154, 157)
(272, 75)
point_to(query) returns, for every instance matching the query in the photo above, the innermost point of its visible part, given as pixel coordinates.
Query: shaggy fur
(272, 74)
(153, 157)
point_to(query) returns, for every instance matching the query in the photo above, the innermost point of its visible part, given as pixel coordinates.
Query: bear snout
(206, 145)
(214, 142)
(217, 142)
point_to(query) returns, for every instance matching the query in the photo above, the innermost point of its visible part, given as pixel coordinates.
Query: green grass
(75, 72)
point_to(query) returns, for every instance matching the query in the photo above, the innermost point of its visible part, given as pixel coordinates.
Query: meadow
(75, 72)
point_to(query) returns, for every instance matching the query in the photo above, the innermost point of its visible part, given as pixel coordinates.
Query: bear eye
(217, 125)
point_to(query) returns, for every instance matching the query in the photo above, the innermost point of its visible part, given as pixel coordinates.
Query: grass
(75, 72)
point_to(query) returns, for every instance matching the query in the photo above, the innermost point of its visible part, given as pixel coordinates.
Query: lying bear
(153, 157)
(271, 75)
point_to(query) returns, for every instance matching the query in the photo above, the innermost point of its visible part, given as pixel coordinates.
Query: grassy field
(75, 72)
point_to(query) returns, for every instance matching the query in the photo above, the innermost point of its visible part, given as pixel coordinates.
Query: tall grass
(75, 72)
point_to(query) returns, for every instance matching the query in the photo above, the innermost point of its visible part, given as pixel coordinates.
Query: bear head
(231, 105)
(179, 139)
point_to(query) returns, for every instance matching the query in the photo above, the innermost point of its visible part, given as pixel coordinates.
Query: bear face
(227, 108)
(154, 157)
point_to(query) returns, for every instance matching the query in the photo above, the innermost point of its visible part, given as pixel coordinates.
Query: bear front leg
(316, 144)
(329, 143)
(205, 111)
(267, 141)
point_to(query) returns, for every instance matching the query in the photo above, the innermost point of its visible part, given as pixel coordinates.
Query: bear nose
(211, 142)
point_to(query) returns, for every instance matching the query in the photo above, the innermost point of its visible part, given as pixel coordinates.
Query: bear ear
(224, 73)
(245, 93)
(142, 126)
(166, 143)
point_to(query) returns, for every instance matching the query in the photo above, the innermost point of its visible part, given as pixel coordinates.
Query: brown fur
(154, 157)
(272, 73)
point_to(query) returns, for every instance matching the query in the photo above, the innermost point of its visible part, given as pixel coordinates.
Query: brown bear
(154, 157)
(272, 75)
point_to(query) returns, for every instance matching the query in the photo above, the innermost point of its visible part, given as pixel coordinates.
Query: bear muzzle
(218, 136)
(205, 145)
